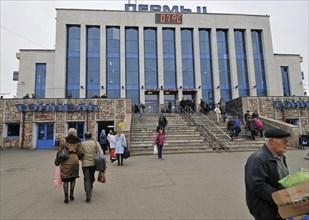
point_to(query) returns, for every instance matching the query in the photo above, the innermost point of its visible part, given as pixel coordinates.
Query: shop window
(13, 130)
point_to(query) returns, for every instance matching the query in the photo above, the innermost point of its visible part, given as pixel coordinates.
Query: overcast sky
(32, 25)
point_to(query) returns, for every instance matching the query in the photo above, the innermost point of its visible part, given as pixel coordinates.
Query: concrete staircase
(239, 143)
(180, 136)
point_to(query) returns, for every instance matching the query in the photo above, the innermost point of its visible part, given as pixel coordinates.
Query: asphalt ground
(181, 186)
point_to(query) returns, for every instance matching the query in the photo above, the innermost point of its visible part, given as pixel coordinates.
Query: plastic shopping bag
(155, 149)
(57, 178)
(101, 177)
(295, 179)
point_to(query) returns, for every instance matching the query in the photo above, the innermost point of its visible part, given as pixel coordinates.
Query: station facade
(155, 54)
(150, 54)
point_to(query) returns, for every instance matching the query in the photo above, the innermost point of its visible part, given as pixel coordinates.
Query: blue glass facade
(241, 62)
(169, 58)
(259, 68)
(206, 66)
(285, 80)
(187, 58)
(40, 80)
(113, 62)
(73, 62)
(93, 62)
(150, 58)
(224, 65)
(132, 64)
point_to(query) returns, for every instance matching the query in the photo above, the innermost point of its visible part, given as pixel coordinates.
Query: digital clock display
(168, 18)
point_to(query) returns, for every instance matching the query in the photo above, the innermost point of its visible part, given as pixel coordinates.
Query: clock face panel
(169, 18)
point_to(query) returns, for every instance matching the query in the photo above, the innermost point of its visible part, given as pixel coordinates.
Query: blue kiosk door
(45, 138)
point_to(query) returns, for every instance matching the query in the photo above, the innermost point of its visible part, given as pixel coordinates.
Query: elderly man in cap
(262, 171)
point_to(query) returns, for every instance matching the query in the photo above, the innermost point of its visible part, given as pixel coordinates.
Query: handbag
(100, 161)
(155, 149)
(101, 177)
(126, 153)
(62, 156)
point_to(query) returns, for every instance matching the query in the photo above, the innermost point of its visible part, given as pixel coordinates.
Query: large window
(259, 69)
(93, 62)
(150, 58)
(13, 130)
(73, 62)
(241, 61)
(132, 64)
(169, 58)
(285, 80)
(187, 58)
(113, 62)
(40, 80)
(224, 65)
(206, 66)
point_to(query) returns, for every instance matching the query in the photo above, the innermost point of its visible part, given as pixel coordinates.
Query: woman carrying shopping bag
(159, 141)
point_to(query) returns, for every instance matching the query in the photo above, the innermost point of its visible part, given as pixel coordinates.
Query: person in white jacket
(120, 144)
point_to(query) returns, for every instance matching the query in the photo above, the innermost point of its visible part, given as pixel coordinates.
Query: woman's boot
(71, 195)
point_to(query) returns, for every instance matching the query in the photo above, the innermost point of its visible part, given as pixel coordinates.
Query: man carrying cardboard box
(264, 168)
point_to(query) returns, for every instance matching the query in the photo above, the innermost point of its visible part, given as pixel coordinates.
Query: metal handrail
(204, 130)
(213, 124)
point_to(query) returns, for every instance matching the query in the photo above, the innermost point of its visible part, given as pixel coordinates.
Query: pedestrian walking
(69, 169)
(120, 144)
(103, 141)
(159, 141)
(90, 148)
(263, 169)
(218, 113)
(162, 122)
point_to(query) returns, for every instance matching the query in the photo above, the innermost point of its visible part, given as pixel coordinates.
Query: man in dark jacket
(162, 122)
(264, 168)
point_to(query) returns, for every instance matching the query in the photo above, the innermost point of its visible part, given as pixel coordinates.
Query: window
(93, 62)
(13, 129)
(241, 62)
(150, 57)
(113, 62)
(169, 58)
(73, 62)
(187, 58)
(40, 80)
(206, 65)
(285, 80)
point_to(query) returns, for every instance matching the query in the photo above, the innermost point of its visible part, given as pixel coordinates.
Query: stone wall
(267, 110)
(109, 110)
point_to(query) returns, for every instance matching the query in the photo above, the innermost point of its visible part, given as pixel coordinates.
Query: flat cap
(276, 133)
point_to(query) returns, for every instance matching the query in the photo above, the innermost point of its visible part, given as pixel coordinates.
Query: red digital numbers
(169, 18)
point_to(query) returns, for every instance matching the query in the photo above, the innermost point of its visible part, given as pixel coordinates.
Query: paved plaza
(182, 186)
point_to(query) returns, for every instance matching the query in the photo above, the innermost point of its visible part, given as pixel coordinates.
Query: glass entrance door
(151, 103)
(45, 136)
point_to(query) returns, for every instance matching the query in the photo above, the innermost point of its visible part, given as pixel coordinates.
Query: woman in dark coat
(69, 168)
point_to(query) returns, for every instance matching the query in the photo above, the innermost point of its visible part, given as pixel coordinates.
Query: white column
(215, 65)
(83, 42)
(233, 64)
(197, 65)
(141, 64)
(250, 63)
(178, 57)
(160, 64)
(122, 63)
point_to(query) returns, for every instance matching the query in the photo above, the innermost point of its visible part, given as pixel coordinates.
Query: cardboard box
(293, 201)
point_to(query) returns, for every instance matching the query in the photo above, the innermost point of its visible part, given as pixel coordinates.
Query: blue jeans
(159, 151)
